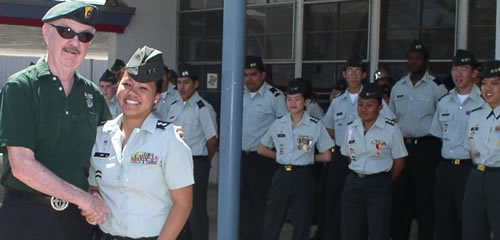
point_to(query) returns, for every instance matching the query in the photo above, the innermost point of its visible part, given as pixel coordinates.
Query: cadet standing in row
(198, 120)
(450, 124)
(481, 209)
(108, 85)
(262, 105)
(295, 137)
(342, 110)
(413, 100)
(169, 95)
(376, 152)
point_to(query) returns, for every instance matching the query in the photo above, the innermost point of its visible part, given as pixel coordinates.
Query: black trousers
(105, 236)
(197, 226)
(481, 205)
(366, 207)
(256, 175)
(413, 191)
(22, 219)
(451, 179)
(336, 176)
(290, 189)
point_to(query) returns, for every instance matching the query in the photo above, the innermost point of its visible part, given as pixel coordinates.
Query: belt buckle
(456, 162)
(288, 168)
(481, 167)
(58, 204)
(361, 175)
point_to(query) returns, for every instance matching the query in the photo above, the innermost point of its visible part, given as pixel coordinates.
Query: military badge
(88, 11)
(304, 143)
(144, 158)
(282, 149)
(379, 145)
(90, 99)
(58, 204)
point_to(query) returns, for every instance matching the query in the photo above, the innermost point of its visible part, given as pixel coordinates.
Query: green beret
(371, 90)
(464, 57)
(75, 10)
(108, 76)
(146, 65)
(297, 85)
(254, 62)
(491, 69)
(187, 71)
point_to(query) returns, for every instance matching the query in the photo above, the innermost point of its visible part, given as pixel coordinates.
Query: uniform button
(54, 78)
(460, 107)
(66, 112)
(60, 88)
(126, 179)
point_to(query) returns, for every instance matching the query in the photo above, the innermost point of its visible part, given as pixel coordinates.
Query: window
(482, 25)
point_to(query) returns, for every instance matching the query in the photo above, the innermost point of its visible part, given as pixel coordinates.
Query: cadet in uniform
(376, 151)
(413, 99)
(481, 209)
(198, 121)
(48, 122)
(108, 85)
(262, 105)
(141, 167)
(169, 95)
(294, 136)
(312, 107)
(449, 124)
(118, 69)
(341, 111)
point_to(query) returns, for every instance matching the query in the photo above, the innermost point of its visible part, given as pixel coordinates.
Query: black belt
(415, 141)
(30, 196)
(290, 168)
(248, 153)
(458, 162)
(483, 168)
(106, 236)
(199, 157)
(362, 175)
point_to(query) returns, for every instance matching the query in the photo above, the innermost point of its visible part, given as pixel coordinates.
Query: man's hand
(95, 210)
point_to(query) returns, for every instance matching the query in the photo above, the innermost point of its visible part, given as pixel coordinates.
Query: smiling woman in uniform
(140, 165)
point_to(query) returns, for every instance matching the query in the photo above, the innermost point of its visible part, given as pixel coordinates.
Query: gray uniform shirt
(342, 111)
(450, 122)
(167, 98)
(295, 146)
(197, 119)
(415, 106)
(483, 135)
(313, 108)
(114, 107)
(135, 181)
(375, 151)
(259, 112)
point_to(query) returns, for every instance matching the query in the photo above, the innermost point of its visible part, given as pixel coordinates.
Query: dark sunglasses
(68, 33)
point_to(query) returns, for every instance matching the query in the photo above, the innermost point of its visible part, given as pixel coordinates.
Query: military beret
(355, 61)
(416, 46)
(254, 62)
(75, 10)
(108, 76)
(381, 73)
(187, 71)
(464, 57)
(146, 65)
(297, 85)
(491, 69)
(117, 65)
(371, 90)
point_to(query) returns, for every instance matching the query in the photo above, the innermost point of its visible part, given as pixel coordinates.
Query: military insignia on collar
(90, 99)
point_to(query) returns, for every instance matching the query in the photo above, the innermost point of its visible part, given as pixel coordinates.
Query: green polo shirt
(60, 130)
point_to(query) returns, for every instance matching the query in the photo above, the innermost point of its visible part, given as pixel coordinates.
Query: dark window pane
(394, 44)
(279, 74)
(320, 17)
(191, 24)
(400, 14)
(439, 13)
(280, 19)
(321, 75)
(214, 3)
(439, 43)
(353, 42)
(482, 42)
(191, 4)
(319, 46)
(354, 15)
(213, 23)
(255, 45)
(213, 48)
(190, 49)
(256, 21)
(482, 12)
(279, 46)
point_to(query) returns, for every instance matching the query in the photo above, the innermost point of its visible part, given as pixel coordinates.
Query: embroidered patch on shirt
(144, 158)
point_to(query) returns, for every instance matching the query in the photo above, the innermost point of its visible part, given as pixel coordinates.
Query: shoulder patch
(313, 119)
(349, 123)
(200, 104)
(437, 81)
(390, 121)
(280, 116)
(162, 124)
(475, 109)
(339, 94)
(443, 96)
(274, 91)
(174, 102)
(101, 123)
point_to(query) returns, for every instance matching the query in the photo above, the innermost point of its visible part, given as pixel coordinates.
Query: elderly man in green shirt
(48, 119)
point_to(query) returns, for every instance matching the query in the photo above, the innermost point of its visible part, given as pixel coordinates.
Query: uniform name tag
(144, 158)
(101, 155)
(445, 114)
(281, 135)
(351, 141)
(339, 113)
(400, 96)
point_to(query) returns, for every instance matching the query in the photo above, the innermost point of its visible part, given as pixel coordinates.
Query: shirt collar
(493, 112)
(43, 70)
(261, 90)
(148, 125)
(425, 78)
(475, 93)
(194, 99)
